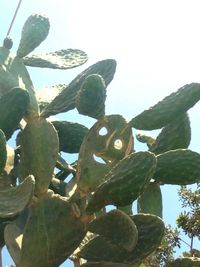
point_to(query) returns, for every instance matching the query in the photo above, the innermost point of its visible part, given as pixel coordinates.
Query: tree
(44, 219)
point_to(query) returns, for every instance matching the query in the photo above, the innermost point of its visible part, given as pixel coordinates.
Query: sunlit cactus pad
(35, 30)
(61, 59)
(168, 109)
(66, 99)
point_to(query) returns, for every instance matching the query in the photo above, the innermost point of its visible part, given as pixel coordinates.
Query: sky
(156, 44)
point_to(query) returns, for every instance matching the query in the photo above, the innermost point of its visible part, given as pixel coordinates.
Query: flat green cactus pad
(97, 143)
(180, 166)
(13, 73)
(66, 99)
(90, 100)
(13, 106)
(62, 59)
(39, 152)
(70, 135)
(168, 109)
(150, 233)
(116, 227)
(14, 199)
(35, 31)
(125, 182)
(98, 249)
(150, 201)
(53, 231)
(176, 134)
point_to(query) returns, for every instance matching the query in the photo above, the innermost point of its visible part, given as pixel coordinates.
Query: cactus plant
(59, 209)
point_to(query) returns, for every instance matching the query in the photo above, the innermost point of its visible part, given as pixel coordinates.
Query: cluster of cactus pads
(51, 210)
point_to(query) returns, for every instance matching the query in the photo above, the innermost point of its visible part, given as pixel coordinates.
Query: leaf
(61, 59)
(185, 262)
(14, 199)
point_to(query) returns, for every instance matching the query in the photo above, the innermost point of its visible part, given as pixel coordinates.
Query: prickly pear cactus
(51, 210)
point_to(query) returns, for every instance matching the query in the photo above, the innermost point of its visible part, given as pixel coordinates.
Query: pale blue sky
(156, 44)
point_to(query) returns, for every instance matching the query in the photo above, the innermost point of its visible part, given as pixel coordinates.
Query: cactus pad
(35, 31)
(150, 232)
(13, 73)
(53, 232)
(66, 99)
(70, 135)
(90, 100)
(116, 227)
(180, 167)
(168, 109)
(62, 59)
(176, 134)
(13, 106)
(39, 152)
(125, 182)
(90, 173)
(150, 201)
(14, 199)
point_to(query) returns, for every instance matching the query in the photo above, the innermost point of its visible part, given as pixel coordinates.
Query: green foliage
(45, 219)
